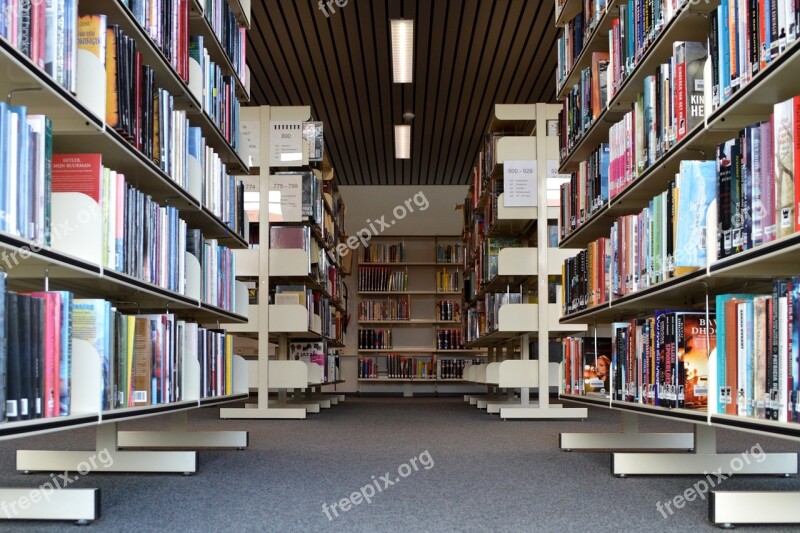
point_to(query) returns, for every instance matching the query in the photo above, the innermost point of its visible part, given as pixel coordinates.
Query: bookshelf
(513, 267)
(307, 261)
(411, 335)
(67, 254)
(755, 265)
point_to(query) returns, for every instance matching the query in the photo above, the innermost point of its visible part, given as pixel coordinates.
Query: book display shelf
(127, 249)
(513, 268)
(293, 268)
(410, 304)
(680, 197)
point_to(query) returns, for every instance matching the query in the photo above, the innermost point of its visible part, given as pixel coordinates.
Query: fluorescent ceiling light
(402, 141)
(403, 50)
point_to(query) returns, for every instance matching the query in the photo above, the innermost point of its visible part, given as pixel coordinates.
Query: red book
(796, 150)
(52, 353)
(78, 173)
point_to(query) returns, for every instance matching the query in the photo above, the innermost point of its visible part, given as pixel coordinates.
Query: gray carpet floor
(484, 475)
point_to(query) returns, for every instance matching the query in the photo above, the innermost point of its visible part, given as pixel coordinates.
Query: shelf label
(286, 143)
(286, 198)
(250, 142)
(520, 187)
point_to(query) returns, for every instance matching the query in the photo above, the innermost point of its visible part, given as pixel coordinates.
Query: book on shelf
(389, 308)
(587, 371)
(383, 253)
(381, 279)
(448, 310)
(166, 22)
(450, 253)
(757, 363)
(403, 367)
(449, 339)
(367, 368)
(374, 339)
(223, 22)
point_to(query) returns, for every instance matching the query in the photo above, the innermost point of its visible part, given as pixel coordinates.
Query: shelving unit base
(107, 457)
(263, 413)
(309, 407)
(629, 439)
(727, 509)
(179, 436)
(551, 411)
(81, 505)
(494, 408)
(705, 459)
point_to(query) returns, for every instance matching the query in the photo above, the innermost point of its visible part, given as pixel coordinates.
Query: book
(697, 189)
(784, 166)
(91, 63)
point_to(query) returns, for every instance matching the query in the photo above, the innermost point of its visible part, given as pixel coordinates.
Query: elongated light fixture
(402, 141)
(403, 50)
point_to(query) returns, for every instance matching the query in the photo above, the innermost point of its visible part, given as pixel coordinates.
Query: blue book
(18, 188)
(604, 163)
(724, 54)
(697, 188)
(720, 350)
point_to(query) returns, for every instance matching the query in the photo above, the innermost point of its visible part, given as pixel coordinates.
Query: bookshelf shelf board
(447, 322)
(494, 338)
(568, 11)
(41, 94)
(410, 293)
(404, 349)
(217, 400)
(755, 101)
(118, 13)
(305, 335)
(16, 429)
(476, 353)
(226, 317)
(398, 380)
(405, 263)
(597, 41)
(767, 427)
(132, 413)
(588, 400)
(780, 257)
(198, 25)
(413, 322)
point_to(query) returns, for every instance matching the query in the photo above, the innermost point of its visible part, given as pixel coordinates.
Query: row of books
(232, 37)
(318, 353)
(381, 279)
(667, 239)
(404, 367)
(390, 308)
(401, 366)
(448, 281)
(383, 253)
(453, 368)
(450, 253)
(484, 318)
(221, 193)
(671, 105)
(374, 339)
(758, 368)
(45, 32)
(744, 38)
(25, 173)
(218, 92)
(448, 310)
(449, 339)
(218, 267)
(758, 198)
(143, 357)
(570, 45)
(586, 192)
(166, 22)
(587, 366)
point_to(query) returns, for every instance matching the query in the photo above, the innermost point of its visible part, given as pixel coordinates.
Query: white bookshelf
(751, 103)
(520, 269)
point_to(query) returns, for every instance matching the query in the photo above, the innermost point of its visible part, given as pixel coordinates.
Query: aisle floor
(474, 473)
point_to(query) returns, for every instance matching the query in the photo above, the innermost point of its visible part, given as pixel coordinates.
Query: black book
(724, 175)
(713, 48)
(14, 359)
(3, 346)
(24, 353)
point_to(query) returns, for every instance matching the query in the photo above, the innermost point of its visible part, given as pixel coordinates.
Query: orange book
(112, 95)
(599, 82)
(142, 362)
(731, 351)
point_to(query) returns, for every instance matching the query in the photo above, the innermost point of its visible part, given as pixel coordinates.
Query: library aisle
(484, 476)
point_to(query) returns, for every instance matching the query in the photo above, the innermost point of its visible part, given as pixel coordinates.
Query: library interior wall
(368, 203)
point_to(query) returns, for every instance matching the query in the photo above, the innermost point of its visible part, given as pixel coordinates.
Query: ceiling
(468, 55)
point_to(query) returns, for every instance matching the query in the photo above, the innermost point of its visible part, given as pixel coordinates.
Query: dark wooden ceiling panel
(468, 55)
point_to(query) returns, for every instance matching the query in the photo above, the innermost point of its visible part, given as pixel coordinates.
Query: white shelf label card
(554, 181)
(286, 143)
(520, 187)
(286, 198)
(250, 142)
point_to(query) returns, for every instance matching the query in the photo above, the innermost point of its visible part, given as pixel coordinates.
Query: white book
(783, 357)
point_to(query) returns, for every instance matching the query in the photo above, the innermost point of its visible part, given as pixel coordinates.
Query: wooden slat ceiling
(468, 55)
